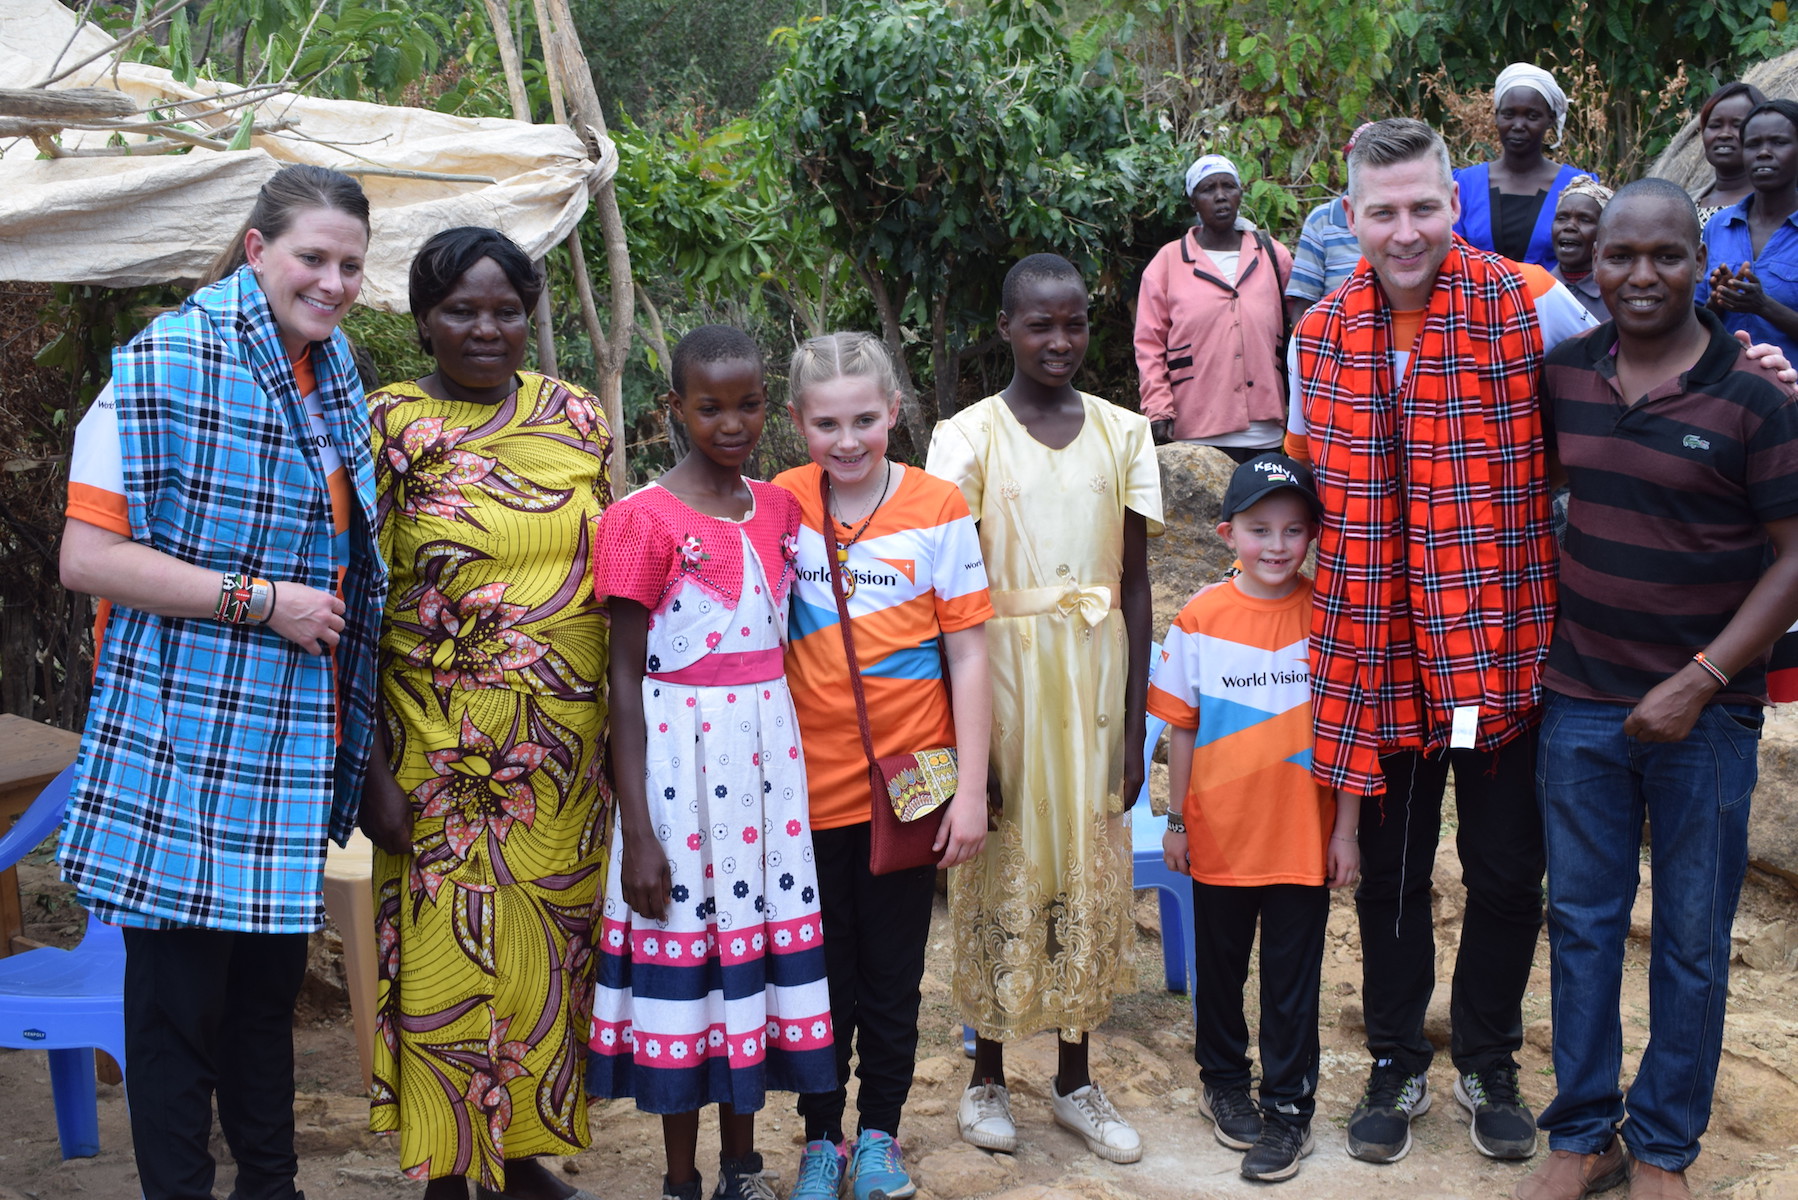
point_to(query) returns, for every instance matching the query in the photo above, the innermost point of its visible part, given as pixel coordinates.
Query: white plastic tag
(1465, 728)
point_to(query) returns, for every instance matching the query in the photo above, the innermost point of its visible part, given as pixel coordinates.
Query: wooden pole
(546, 329)
(508, 59)
(585, 113)
(74, 104)
(557, 105)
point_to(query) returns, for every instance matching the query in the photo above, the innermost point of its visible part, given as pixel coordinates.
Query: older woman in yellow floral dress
(488, 815)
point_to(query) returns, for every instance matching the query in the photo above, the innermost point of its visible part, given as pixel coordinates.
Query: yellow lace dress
(1041, 920)
(493, 668)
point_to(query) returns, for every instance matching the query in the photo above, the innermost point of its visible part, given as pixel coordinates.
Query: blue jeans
(1594, 784)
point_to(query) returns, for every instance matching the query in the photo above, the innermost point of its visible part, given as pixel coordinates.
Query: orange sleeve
(1297, 447)
(97, 506)
(1536, 278)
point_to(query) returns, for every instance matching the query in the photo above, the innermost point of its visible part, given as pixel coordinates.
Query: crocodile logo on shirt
(1693, 442)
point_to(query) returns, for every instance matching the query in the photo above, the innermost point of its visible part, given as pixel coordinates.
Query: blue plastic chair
(1175, 890)
(68, 1002)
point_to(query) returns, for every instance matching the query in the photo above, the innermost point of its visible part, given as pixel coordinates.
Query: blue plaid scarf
(211, 770)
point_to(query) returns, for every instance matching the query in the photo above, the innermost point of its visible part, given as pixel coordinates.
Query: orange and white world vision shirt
(919, 574)
(97, 473)
(1236, 669)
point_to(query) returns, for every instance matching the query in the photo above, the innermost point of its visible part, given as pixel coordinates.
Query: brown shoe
(1569, 1176)
(1648, 1182)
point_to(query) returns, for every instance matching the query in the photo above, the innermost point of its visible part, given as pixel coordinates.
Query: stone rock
(1773, 819)
(1190, 554)
(936, 1069)
(1773, 948)
(325, 992)
(1641, 915)
(1780, 1183)
(1352, 1017)
(929, 1107)
(1757, 1080)
(329, 1124)
(1071, 1187)
(1448, 895)
(1435, 1018)
(1540, 1034)
(962, 1170)
(1146, 911)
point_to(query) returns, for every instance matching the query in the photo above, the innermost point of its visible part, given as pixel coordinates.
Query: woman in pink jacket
(1211, 325)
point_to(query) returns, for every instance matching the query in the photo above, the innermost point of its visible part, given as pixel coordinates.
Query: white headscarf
(1210, 164)
(1537, 80)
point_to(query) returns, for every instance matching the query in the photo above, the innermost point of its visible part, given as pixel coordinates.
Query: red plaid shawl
(1435, 567)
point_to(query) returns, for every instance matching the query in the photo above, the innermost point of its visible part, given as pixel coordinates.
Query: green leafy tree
(1633, 48)
(938, 143)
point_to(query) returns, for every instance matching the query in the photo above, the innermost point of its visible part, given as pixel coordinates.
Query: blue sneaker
(820, 1172)
(877, 1169)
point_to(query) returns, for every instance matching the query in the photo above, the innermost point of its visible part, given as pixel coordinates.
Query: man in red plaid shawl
(1418, 380)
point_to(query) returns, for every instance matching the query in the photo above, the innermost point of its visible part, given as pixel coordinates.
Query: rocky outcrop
(1773, 821)
(1190, 554)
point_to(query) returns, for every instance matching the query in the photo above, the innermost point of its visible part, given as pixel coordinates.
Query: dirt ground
(1143, 1056)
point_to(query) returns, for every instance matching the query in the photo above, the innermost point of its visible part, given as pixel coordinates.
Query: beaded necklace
(842, 548)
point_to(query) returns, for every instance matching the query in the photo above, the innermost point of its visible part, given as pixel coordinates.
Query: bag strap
(836, 589)
(1267, 248)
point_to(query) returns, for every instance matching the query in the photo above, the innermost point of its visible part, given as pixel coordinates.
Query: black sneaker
(1502, 1125)
(743, 1179)
(1235, 1119)
(1379, 1130)
(693, 1189)
(1276, 1156)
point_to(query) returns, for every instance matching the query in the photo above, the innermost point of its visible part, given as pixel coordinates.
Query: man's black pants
(1500, 843)
(875, 929)
(209, 1011)
(1293, 918)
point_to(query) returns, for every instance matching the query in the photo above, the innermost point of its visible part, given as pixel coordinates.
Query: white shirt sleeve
(1295, 401)
(1562, 316)
(96, 459)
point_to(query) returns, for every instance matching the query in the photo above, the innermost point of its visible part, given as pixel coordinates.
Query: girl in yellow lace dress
(487, 804)
(1066, 490)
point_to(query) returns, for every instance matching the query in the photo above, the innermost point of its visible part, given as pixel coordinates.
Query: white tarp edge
(125, 221)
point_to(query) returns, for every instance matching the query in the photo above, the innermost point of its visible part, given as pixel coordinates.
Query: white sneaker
(985, 1118)
(1088, 1113)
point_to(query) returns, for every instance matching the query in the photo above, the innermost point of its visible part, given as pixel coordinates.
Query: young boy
(1245, 819)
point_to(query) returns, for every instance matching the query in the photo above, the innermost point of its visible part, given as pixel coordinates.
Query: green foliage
(1616, 57)
(1706, 35)
(710, 213)
(91, 321)
(936, 144)
(391, 340)
(713, 57)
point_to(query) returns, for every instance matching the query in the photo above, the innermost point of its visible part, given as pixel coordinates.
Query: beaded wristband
(234, 599)
(1707, 664)
(243, 599)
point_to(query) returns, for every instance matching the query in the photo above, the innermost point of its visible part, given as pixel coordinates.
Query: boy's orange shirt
(1235, 668)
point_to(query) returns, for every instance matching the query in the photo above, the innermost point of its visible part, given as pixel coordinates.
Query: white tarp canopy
(131, 220)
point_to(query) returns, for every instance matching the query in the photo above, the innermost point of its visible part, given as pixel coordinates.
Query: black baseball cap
(1264, 475)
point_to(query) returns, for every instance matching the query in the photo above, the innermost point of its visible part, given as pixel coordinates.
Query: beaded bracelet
(243, 599)
(1716, 672)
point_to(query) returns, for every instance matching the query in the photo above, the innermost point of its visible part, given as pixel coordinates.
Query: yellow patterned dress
(1041, 920)
(493, 667)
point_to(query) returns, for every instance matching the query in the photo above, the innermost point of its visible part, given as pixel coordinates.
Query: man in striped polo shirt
(1682, 458)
